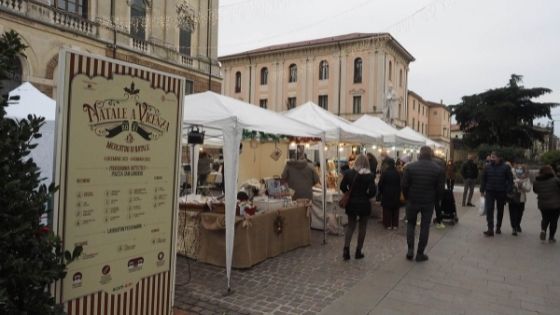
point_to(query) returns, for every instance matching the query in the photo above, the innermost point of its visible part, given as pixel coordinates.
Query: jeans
(352, 222)
(469, 189)
(426, 212)
(498, 197)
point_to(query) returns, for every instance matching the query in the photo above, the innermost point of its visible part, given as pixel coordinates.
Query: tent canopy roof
(391, 135)
(411, 132)
(27, 99)
(336, 128)
(215, 111)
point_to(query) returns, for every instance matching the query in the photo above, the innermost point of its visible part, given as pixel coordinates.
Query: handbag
(343, 202)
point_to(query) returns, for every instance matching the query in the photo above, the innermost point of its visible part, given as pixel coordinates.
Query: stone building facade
(178, 36)
(349, 75)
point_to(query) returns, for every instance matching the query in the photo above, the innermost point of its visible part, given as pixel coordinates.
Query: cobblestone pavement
(302, 281)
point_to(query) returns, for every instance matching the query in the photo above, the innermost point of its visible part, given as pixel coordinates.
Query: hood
(299, 164)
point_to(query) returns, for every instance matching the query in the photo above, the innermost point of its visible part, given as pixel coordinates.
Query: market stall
(230, 116)
(337, 130)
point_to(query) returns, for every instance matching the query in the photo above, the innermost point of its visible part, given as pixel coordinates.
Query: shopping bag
(481, 206)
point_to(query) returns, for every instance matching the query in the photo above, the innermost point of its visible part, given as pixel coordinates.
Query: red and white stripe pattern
(92, 67)
(150, 296)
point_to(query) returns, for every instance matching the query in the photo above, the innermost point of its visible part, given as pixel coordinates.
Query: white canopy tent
(411, 132)
(391, 135)
(27, 99)
(336, 128)
(231, 116)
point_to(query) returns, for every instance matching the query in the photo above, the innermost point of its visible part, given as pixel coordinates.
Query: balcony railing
(103, 28)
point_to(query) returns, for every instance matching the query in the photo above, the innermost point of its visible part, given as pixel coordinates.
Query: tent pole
(324, 189)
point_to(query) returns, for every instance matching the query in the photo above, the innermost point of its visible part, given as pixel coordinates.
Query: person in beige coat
(521, 186)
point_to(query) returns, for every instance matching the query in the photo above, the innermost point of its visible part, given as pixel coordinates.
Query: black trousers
(516, 214)
(352, 222)
(498, 197)
(426, 212)
(550, 217)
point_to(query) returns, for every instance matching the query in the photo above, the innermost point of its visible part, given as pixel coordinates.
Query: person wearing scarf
(521, 186)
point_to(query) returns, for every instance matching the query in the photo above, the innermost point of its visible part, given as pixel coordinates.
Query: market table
(264, 235)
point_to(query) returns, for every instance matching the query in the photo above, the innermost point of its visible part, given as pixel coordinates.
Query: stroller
(448, 208)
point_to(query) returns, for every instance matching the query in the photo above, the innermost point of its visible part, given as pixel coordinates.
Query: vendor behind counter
(301, 177)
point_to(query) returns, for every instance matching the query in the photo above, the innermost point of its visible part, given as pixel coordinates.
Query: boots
(359, 254)
(346, 253)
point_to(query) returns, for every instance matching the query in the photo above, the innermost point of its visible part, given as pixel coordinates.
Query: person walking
(422, 185)
(469, 172)
(438, 205)
(390, 190)
(496, 183)
(521, 186)
(450, 175)
(547, 188)
(359, 181)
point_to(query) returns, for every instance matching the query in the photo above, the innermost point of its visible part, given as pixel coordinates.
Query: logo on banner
(112, 117)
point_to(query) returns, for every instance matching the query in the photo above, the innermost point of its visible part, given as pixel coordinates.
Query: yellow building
(178, 36)
(418, 113)
(350, 75)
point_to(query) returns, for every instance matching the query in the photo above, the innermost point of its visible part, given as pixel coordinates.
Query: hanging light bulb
(292, 144)
(326, 148)
(393, 148)
(374, 147)
(307, 145)
(341, 149)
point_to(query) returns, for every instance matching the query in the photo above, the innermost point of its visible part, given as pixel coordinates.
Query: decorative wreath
(278, 225)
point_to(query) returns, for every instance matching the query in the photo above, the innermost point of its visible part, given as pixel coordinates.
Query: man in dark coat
(422, 185)
(496, 183)
(469, 172)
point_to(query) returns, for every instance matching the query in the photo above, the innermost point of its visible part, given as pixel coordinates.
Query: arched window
(237, 82)
(264, 76)
(293, 73)
(138, 19)
(390, 71)
(13, 76)
(358, 70)
(323, 70)
(400, 77)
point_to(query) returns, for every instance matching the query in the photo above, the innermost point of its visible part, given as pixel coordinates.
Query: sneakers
(514, 233)
(488, 233)
(519, 229)
(498, 231)
(440, 226)
(421, 257)
(552, 240)
(542, 236)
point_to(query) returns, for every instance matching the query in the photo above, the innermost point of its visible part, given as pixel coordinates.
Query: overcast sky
(461, 47)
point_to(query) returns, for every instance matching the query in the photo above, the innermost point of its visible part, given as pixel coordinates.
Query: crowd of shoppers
(420, 186)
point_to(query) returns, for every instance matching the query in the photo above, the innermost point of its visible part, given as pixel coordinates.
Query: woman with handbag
(358, 186)
(521, 186)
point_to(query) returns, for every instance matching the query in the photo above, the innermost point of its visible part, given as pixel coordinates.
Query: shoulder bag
(343, 202)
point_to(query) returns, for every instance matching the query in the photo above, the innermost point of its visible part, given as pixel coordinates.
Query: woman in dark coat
(390, 190)
(547, 188)
(362, 183)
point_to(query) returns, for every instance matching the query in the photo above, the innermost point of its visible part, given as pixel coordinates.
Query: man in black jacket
(469, 172)
(496, 183)
(422, 186)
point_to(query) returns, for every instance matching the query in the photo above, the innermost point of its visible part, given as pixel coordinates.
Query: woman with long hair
(390, 190)
(547, 188)
(361, 183)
